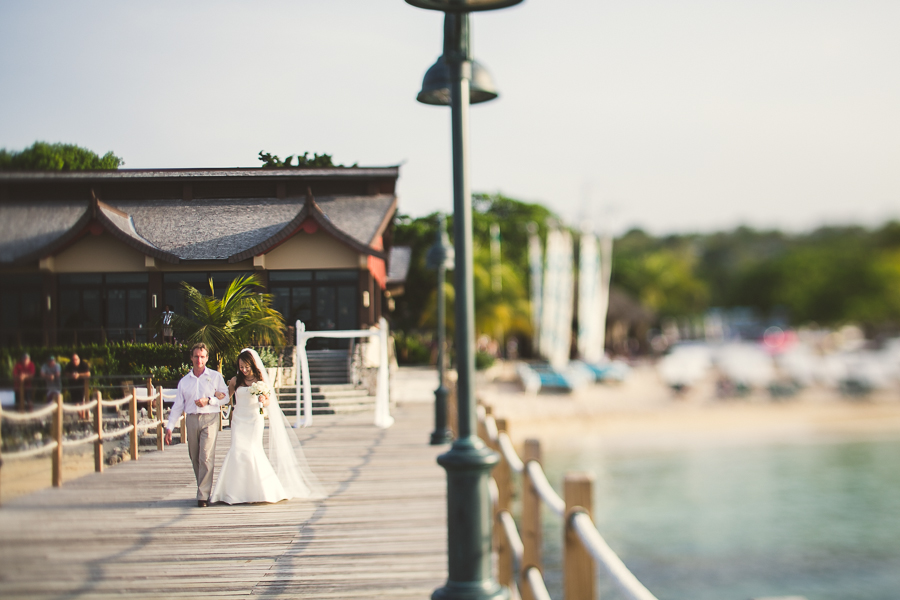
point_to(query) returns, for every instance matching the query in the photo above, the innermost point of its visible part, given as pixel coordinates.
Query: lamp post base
(441, 434)
(469, 522)
(467, 591)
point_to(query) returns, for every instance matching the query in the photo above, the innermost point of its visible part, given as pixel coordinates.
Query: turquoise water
(734, 523)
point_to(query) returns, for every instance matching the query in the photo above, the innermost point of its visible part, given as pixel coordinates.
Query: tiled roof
(28, 227)
(199, 229)
(399, 264)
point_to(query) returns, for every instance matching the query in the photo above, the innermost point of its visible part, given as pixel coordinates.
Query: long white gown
(246, 474)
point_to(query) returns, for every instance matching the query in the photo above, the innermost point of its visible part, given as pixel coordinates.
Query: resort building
(91, 256)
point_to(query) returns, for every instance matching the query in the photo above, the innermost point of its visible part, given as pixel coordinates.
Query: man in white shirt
(201, 393)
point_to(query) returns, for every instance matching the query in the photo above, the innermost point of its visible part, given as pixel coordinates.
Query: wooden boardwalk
(135, 531)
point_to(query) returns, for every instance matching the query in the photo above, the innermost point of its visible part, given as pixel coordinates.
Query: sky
(676, 117)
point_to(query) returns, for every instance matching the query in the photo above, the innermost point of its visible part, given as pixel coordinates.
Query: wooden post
(161, 428)
(58, 436)
(531, 514)
(502, 476)
(84, 397)
(482, 428)
(98, 429)
(134, 432)
(578, 580)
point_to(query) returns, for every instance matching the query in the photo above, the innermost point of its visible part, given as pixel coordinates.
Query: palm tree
(241, 318)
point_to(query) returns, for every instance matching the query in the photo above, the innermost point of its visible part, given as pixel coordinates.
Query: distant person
(52, 376)
(77, 371)
(23, 376)
(168, 332)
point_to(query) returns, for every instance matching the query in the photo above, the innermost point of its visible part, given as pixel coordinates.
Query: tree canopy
(42, 156)
(271, 161)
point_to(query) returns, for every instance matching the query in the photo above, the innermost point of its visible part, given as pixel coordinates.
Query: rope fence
(153, 399)
(519, 549)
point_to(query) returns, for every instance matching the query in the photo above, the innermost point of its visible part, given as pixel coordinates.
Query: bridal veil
(285, 452)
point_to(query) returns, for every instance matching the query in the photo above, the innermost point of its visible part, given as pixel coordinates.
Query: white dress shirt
(192, 388)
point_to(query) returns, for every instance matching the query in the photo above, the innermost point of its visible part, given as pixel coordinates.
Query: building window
(173, 293)
(322, 300)
(21, 319)
(96, 307)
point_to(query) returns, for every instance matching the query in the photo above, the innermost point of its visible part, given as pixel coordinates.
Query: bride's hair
(248, 359)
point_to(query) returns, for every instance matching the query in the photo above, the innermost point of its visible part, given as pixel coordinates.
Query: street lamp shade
(462, 5)
(440, 254)
(436, 84)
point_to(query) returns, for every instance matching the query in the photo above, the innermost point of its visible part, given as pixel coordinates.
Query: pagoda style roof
(41, 213)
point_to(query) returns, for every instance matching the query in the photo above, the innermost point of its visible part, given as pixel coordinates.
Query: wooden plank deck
(135, 531)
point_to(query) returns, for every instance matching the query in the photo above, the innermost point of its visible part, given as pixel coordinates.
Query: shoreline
(643, 413)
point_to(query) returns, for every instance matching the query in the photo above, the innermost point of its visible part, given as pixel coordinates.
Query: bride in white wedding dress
(247, 473)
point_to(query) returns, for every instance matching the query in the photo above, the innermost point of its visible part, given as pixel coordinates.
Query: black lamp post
(469, 461)
(441, 257)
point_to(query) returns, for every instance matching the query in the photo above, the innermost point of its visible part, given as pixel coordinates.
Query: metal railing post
(578, 578)
(58, 436)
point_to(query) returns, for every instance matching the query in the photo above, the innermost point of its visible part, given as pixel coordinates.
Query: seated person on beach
(23, 374)
(51, 374)
(76, 372)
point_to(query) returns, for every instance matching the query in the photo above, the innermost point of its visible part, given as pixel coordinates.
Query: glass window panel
(81, 279)
(337, 275)
(23, 280)
(69, 309)
(326, 309)
(301, 305)
(281, 300)
(346, 307)
(195, 279)
(175, 299)
(126, 278)
(137, 309)
(115, 308)
(90, 308)
(30, 310)
(9, 309)
(290, 275)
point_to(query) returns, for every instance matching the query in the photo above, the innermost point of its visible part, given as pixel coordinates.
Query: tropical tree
(242, 317)
(42, 156)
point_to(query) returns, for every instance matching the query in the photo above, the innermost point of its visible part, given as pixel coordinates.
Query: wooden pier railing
(93, 409)
(519, 552)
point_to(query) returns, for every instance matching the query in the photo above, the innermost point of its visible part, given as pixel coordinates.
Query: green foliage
(112, 359)
(830, 276)
(504, 313)
(483, 360)
(169, 373)
(412, 349)
(271, 161)
(42, 156)
(242, 317)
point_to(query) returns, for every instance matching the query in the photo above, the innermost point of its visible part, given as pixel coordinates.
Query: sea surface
(818, 520)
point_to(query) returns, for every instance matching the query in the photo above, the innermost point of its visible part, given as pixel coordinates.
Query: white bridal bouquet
(260, 388)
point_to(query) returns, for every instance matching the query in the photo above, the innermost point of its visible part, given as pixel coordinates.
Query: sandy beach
(643, 412)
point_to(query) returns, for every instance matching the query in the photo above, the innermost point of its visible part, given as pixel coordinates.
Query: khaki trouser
(202, 430)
